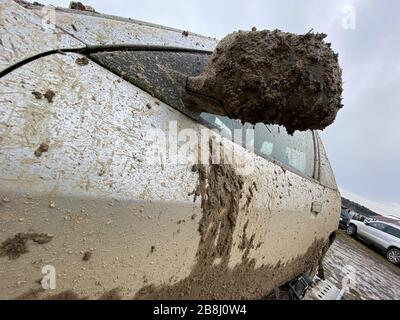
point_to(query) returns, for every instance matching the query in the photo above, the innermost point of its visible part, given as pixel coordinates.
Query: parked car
(384, 236)
(345, 217)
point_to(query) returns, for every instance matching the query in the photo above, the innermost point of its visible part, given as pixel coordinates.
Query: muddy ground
(371, 275)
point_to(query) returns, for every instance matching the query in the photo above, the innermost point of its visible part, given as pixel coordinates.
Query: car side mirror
(366, 223)
(251, 76)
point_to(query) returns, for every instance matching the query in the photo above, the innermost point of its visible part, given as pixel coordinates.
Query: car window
(326, 176)
(393, 231)
(378, 225)
(271, 141)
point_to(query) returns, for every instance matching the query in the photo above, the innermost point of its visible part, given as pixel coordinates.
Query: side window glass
(377, 225)
(296, 151)
(393, 231)
(326, 174)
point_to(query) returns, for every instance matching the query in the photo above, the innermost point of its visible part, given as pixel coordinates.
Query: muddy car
(113, 188)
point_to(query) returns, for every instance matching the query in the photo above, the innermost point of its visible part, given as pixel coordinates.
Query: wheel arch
(392, 247)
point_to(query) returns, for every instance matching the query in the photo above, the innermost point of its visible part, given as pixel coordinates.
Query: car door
(375, 233)
(391, 236)
(362, 229)
(96, 187)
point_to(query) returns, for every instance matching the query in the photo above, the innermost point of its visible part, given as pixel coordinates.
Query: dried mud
(114, 294)
(37, 95)
(49, 95)
(221, 191)
(44, 147)
(272, 77)
(39, 294)
(65, 295)
(76, 5)
(82, 61)
(86, 256)
(14, 247)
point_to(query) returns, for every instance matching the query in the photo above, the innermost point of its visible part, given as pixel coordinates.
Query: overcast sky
(363, 144)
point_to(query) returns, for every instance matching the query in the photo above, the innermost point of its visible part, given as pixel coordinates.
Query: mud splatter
(76, 5)
(82, 61)
(221, 190)
(32, 294)
(49, 95)
(114, 294)
(250, 195)
(86, 256)
(37, 95)
(44, 147)
(65, 295)
(38, 294)
(246, 244)
(272, 77)
(185, 33)
(14, 247)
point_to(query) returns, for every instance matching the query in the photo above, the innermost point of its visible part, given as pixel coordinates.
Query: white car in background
(384, 236)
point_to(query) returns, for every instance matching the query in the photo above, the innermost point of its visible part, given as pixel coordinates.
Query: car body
(384, 236)
(77, 169)
(345, 217)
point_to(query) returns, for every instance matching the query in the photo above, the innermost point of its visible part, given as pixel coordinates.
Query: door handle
(316, 207)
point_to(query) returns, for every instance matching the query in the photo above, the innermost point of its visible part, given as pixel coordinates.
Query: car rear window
(271, 142)
(393, 231)
(326, 176)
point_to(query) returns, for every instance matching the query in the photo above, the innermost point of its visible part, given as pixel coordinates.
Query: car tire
(351, 230)
(393, 255)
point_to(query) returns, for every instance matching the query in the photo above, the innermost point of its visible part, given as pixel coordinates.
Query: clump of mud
(83, 61)
(16, 246)
(273, 77)
(37, 95)
(114, 294)
(86, 256)
(44, 147)
(39, 294)
(32, 294)
(65, 295)
(76, 5)
(49, 95)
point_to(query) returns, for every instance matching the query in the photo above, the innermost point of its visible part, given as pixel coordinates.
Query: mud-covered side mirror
(272, 77)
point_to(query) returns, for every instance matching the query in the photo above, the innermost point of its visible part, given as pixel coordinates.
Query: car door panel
(376, 236)
(98, 188)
